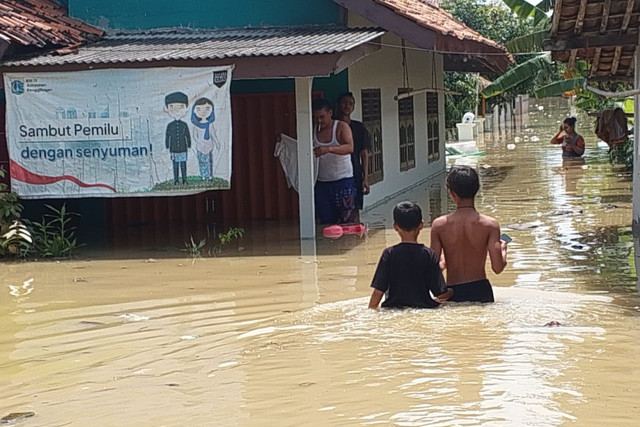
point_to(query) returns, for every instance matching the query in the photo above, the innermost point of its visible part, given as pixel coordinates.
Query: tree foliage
(559, 87)
(531, 42)
(496, 22)
(492, 20)
(516, 75)
(456, 105)
(524, 10)
(521, 27)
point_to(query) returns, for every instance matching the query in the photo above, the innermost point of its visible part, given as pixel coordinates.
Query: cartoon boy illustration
(203, 135)
(178, 140)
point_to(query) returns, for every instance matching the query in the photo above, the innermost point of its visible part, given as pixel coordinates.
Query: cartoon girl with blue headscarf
(203, 135)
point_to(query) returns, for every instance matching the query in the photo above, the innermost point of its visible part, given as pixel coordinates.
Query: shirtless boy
(465, 237)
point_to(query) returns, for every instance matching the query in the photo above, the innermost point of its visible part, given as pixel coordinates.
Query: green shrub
(54, 237)
(11, 230)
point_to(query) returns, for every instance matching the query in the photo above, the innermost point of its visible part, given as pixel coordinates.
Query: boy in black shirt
(408, 270)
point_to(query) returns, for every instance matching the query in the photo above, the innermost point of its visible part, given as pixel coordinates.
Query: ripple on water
(459, 364)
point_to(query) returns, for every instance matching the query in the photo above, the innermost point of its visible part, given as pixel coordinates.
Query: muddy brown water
(267, 336)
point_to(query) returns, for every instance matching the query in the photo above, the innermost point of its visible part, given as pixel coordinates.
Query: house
(390, 53)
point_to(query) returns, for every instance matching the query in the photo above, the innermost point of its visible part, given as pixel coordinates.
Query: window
(435, 202)
(372, 119)
(433, 127)
(407, 132)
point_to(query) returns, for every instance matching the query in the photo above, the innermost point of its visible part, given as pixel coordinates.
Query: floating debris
(14, 417)
(133, 317)
(189, 337)
(91, 323)
(524, 225)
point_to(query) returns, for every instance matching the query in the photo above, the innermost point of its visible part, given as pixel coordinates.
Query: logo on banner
(219, 78)
(17, 87)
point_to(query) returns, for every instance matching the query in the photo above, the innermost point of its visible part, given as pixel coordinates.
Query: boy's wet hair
(407, 215)
(464, 181)
(320, 104)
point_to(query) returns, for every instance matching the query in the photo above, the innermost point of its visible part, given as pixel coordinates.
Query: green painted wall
(145, 14)
(331, 86)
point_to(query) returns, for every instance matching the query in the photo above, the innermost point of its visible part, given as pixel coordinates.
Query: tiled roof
(604, 34)
(432, 17)
(42, 23)
(186, 44)
(430, 28)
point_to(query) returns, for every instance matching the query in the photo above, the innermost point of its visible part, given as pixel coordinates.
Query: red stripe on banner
(21, 174)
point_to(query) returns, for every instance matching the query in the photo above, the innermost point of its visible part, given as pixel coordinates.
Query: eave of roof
(430, 27)
(332, 46)
(605, 34)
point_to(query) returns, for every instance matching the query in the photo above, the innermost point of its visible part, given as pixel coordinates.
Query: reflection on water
(277, 333)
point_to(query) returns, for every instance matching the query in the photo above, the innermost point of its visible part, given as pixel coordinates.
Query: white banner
(119, 132)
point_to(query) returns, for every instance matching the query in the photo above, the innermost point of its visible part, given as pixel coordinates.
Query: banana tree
(531, 42)
(524, 9)
(518, 74)
(559, 87)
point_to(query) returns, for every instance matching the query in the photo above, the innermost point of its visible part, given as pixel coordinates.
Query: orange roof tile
(42, 23)
(428, 27)
(436, 19)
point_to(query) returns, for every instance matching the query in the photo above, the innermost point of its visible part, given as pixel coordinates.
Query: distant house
(284, 53)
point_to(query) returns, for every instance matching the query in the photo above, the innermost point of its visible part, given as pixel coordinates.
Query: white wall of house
(384, 70)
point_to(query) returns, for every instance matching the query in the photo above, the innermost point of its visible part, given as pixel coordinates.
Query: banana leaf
(531, 42)
(516, 75)
(559, 87)
(524, 10)
(588, 104)
(545, 5)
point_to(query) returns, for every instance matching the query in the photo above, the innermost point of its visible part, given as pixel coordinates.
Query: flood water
(268, 337)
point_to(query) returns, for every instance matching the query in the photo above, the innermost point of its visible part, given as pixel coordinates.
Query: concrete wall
(145, 14)
(383, 70)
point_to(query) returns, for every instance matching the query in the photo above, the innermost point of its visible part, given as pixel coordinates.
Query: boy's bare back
(466, 237)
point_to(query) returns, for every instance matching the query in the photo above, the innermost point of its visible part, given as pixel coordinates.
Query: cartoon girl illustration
(203, 134)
